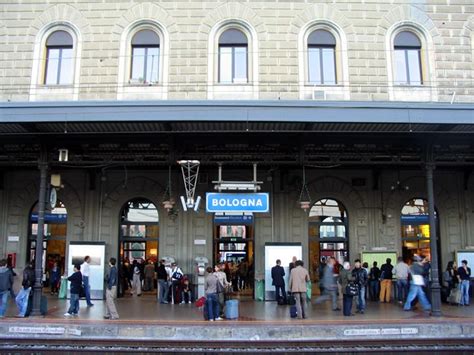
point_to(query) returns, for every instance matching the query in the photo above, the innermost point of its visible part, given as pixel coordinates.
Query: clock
(53, 197)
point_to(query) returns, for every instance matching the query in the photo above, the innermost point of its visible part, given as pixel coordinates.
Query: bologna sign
(229, 202)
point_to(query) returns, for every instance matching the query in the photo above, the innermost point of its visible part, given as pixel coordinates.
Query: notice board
(379, 256)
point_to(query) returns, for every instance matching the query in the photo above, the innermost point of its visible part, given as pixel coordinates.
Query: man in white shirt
(401, 271)
(85, 280)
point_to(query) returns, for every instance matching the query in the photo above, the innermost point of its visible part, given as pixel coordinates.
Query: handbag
(352, 289)
(219, 286)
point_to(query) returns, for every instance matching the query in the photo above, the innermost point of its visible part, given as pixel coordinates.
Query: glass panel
(400, 67)
(138, 64)
(225, 64)
(414, 67)
(233, 36)
(328, 66)
(152, 250)
(52, 63)
(407, 39)
(152, 64)
(232, 232)
(66, 71)
(314, 66)
(146, 37)
(152, 231)
(59, 38)
(321, 37)
(240, 64)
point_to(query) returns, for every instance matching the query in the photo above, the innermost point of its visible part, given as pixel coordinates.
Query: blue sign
(50, 218)
(233, 219)
(228, 202)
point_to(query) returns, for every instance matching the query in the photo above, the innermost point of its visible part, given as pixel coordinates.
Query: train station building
(355, 121)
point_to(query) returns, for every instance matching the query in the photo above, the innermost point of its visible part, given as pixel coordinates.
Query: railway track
(61, 346)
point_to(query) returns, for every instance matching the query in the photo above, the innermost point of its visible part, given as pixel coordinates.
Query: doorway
(139, 239)
(234, 247)
(54, 241)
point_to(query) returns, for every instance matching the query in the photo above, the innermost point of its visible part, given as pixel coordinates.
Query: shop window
(407, 59)
(59, 69)
(145, 61)
(233, 58)
(322, 58)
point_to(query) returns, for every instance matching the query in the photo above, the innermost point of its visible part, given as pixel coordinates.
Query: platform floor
(146, 308)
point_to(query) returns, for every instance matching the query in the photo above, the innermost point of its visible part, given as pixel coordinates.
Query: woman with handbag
(349, 288)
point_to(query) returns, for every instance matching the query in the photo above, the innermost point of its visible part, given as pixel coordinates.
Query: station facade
(342, 105)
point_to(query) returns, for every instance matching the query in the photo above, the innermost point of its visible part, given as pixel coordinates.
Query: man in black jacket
(27, 283)
(278, 281)
(386, 275)
(6, 282)
(76, 285)
(361, 278)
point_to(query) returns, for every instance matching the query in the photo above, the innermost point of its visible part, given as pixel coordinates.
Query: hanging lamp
(304, 199)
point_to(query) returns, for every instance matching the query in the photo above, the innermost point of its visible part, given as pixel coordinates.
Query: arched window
(145, 61)
(407, 57)
(321, 58)
(328, 233)
(59, 69)
(233, 59)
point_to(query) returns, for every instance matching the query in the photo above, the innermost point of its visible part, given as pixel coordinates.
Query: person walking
(278, 274)
(85, 271)
(6, 283)
(361, 278)
(137, 282)
(149, 272)
(212, 302)
(464, 276)
(401, 271)
(297, 284)
(386, 276)
(55, 278)
(321, 268)
(374, 282)
(27, 284)
(329, 284)
(176, 276)
(75, 290)
(111, 291)
(345, 276)
(163, 287)
(416, 286)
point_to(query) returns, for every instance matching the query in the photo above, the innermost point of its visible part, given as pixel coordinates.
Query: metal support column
(435, 286)
(38, 287)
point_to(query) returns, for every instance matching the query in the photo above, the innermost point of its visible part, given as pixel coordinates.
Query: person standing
(137, 282)
(298, 278)
(149, 272)
(27, 283)
(401, 271)
(345, 276)
(329, 284)
(163, 287)
(221, 276)
(85, 270)
(212, 302)
(416, 286)
(176, 276)
(374, 283)
(111, 291)
(55, 278)
(76, 284)
(361, 279)
(386, 275)
(292, 264)
(278, 281)
(449, 279)
(321, 268)
(6, 283)
(464, 276)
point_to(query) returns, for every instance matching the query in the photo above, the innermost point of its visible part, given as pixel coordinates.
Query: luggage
(291, 300)
(293, 312)
(204, 311)
(232, 309)
(454, 296)
(281, 301)
(201, 302)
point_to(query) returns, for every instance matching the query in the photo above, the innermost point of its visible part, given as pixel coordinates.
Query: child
(76, 285)
(186, 295)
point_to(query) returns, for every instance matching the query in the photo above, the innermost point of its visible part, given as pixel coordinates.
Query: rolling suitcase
(454, 296)
(293, 312)
(291, 300)
(232, 309)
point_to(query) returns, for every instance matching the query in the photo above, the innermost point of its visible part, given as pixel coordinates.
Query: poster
(379, 256)
(284, 252)
(96, 251)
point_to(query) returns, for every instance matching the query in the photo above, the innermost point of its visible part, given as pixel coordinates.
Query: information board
(379, 256)
(467, 255)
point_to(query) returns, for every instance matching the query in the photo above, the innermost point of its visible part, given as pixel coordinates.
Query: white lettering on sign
(409, 330)
(349, 332)
(236, 202)
(391, 331)
(37, 330)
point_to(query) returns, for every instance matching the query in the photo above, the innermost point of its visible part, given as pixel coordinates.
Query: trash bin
(260, 290)
(63, 288)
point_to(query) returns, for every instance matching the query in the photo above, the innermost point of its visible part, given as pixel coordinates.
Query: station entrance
(54, 243)
(234, 246)
(139, 239)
